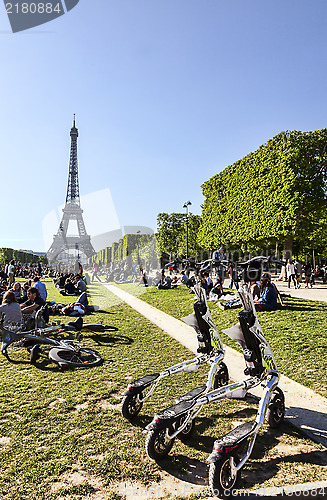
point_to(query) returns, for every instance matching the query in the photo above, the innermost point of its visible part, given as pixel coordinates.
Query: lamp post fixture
(186, 205)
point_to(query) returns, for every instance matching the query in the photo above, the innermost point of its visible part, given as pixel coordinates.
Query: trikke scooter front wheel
(131, 405)
(221, 477)
(158, 444)
(276, 409)
(221, 377)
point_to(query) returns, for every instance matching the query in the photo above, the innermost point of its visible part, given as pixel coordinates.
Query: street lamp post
(186, 205)
(138, 249)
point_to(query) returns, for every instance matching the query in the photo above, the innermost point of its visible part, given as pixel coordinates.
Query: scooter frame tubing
(263, 405)
(227, 392)
(189, 365)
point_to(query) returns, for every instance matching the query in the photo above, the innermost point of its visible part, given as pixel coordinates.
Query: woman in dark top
(268, 296)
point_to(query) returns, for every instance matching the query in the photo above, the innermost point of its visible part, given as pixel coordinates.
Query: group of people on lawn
(22, 302)
(264, 292)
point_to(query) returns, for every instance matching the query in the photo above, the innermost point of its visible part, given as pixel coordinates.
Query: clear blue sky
(166, 93)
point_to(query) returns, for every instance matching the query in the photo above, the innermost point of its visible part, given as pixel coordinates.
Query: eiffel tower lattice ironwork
(71, 212)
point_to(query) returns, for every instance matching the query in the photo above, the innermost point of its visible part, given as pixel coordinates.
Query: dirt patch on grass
(56, 402)
(106, 405)
(4, 441)
(81, 406)
(168, 487)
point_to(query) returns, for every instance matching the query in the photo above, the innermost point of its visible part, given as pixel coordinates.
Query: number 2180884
(33, 8)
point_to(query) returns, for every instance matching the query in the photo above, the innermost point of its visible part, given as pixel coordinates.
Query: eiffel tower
(71, 212)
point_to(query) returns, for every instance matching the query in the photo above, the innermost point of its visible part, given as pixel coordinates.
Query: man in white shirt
(11, 273)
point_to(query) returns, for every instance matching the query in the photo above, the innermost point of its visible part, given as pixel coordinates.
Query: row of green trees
(19, 256)
(171, 235)
(273, 198)
(132, 248)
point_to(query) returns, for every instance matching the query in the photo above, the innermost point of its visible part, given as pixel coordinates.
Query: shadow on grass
(103, 311)
(256, 471)
(141, 421)
(41, 365)
(300, 307)
(110, 339)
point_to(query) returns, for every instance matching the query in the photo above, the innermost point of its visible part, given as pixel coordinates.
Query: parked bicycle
(66, 353)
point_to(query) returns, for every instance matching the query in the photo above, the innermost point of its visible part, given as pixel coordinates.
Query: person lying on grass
(78, 308)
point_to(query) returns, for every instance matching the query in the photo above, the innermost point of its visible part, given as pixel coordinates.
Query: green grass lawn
(55, 425)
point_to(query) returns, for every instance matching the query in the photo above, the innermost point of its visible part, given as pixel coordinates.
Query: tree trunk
(287, 250)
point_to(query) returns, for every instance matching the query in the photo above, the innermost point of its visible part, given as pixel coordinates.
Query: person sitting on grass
(80, 285)
(268, 296)
(10, 308)
(217, 288)
(165, 283)
(18, 291)
(69, 288)
(3, 286)
(30, 307)
(41, 287)
(33, 303)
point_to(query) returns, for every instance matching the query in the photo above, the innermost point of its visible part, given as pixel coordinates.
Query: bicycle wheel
(67, 357)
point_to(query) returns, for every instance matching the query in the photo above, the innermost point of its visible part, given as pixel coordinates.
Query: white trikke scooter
(210, 349)
(260, 369)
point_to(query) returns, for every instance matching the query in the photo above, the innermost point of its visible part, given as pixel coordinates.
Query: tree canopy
(171, 234)
(276, 193)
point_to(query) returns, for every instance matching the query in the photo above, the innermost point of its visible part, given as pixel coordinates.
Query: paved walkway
(317, 292)
(305, 409)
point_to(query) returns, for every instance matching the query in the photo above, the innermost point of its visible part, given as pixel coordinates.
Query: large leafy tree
(276, 194)
(171, 234)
